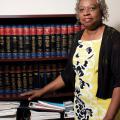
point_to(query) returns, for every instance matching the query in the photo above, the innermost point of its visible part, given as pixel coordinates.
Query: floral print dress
(85, 61)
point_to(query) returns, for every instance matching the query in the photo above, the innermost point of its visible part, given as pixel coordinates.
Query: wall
(23, 7)
(18, 7)
(114, 13)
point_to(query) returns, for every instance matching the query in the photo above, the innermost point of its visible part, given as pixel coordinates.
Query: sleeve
(115, 62)
(68, 75)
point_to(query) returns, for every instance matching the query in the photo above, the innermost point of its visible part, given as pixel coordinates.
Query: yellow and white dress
(85, 61)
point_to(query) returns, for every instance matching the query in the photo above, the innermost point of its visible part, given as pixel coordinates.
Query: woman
(94, 64)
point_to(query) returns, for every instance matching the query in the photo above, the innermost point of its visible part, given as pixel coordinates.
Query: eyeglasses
(88, 9)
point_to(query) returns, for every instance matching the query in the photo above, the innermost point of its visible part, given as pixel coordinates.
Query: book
(20, 38)
(33, 37)
(58, 40)
(7, 40)
(39, 41)
(27, 41)
(14, 41)
(70, 36)
(64, 40)
(47, 106)
(7, 105)
(52, 104)
(69, 109)
(53, 39)
(8, 110)
(37, 115)
(47, 41)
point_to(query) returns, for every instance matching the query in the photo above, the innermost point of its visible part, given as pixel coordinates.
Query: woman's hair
(103, 9)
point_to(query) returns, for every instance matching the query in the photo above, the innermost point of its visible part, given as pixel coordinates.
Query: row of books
(39, 29)
(32, 66)
(21, 82)
(23, 78)
(34, 41)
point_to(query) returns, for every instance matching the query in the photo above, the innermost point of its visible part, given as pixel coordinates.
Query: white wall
(114, 13)
(23, 7)
(33, 7)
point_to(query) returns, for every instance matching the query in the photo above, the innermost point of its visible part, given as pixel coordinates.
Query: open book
(48, 106)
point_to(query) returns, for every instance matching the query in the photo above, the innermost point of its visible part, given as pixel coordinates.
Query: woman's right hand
(32, 94)
(54, 85)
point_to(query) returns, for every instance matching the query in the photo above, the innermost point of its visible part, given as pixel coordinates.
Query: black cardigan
(109, 63)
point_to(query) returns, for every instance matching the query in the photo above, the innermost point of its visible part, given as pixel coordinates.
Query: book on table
(47, 106)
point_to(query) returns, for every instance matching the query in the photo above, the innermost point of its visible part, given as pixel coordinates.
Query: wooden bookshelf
(53, 18)
(34, 19)
(34, 59)
(50, 97)
(21, 63)
(39, 16)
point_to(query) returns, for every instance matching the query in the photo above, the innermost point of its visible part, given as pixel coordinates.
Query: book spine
(58, 41)
(3, 87)
(41, 70)
(29, 76)
(47, 41)
(53, 71)
(24, 77)
(20, 41)
(2, 41)
(18, 78)
(1, 80)
(70, 36)
(53, 39)
(7, 80)
(48, 73)
(27, 42)
(7, 41)
(64, 39)
(35, 76)
(13, 79)
(14, 42)
(33, 37)
(39, 41)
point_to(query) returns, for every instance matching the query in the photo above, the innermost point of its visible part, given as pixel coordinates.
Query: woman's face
(89, 13)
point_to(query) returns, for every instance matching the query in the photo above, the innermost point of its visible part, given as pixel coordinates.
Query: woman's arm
(54, 85)
(114, 105)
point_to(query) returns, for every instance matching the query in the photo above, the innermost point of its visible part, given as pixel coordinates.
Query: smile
(87, 19)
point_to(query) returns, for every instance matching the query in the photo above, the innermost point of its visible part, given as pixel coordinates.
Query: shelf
(33, 59)
(33, 68)
(38, 19)
(59, 95)
(14, 97)
(37, 16)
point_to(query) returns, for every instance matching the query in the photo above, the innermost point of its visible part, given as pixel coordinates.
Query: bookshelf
(25, 64)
